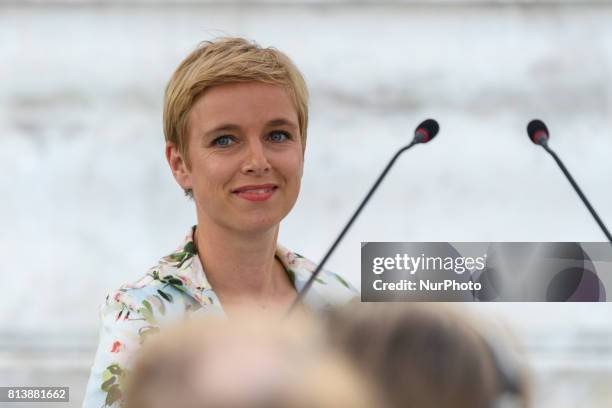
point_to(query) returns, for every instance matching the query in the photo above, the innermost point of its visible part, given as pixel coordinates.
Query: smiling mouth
(257, 191)
(256, 194)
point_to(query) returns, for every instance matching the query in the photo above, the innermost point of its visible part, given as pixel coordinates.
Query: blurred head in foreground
(243, 364)
(427, 356)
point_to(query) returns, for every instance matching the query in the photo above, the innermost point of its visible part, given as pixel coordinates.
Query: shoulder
(128, 319)
(334, 288)
(166, 292)
(328, 289)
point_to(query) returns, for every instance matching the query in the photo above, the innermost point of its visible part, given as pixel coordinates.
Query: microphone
(424, 133)
(538, 133)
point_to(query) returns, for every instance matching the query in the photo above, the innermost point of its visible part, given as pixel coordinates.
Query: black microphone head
(537, 131)
(426, 131)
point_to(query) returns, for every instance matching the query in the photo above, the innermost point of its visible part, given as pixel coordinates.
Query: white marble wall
(87, 201)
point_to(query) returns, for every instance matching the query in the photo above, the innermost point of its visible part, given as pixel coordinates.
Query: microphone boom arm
(348, 225)
(544, 144)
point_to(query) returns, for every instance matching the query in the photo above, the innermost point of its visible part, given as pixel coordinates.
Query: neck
(241, 267)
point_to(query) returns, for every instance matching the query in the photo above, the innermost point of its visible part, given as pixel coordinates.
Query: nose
(256, 162)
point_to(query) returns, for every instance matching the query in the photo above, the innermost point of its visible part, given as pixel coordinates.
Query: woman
(235, 118)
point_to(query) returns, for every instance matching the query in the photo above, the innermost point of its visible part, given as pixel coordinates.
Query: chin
(257, 227)
(261, 223)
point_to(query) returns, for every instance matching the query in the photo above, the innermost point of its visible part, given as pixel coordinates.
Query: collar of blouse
(183, 270)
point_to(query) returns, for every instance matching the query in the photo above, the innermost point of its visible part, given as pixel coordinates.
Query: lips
(256, 192)
(255, 189)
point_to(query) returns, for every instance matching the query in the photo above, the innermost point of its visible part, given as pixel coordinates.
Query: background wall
(88, 203)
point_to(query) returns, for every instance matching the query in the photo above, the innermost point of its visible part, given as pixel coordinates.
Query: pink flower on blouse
(116, 347)
(291, 258)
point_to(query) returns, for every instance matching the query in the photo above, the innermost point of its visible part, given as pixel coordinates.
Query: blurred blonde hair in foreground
(247, 362)
(430, 356)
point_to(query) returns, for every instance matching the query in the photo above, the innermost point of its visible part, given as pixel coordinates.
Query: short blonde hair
(228, 60)
(248, 362)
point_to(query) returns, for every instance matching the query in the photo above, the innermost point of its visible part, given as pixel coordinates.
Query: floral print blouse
(172, 290)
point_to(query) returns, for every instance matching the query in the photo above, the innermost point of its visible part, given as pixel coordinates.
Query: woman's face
(246, 156)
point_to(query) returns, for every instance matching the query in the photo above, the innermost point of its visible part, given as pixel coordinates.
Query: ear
(177, 164)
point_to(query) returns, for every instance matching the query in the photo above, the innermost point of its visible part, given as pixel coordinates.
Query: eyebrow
(233, 127)
(281, 122)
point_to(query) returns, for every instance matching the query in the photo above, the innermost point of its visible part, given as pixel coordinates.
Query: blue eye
(223, 141)
(279, 136)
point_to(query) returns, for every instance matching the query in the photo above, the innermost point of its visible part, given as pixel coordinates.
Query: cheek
(210, 174)
(292, 167)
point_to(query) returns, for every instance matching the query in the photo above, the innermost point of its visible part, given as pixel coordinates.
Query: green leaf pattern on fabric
(113, 377)
(342, 281)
